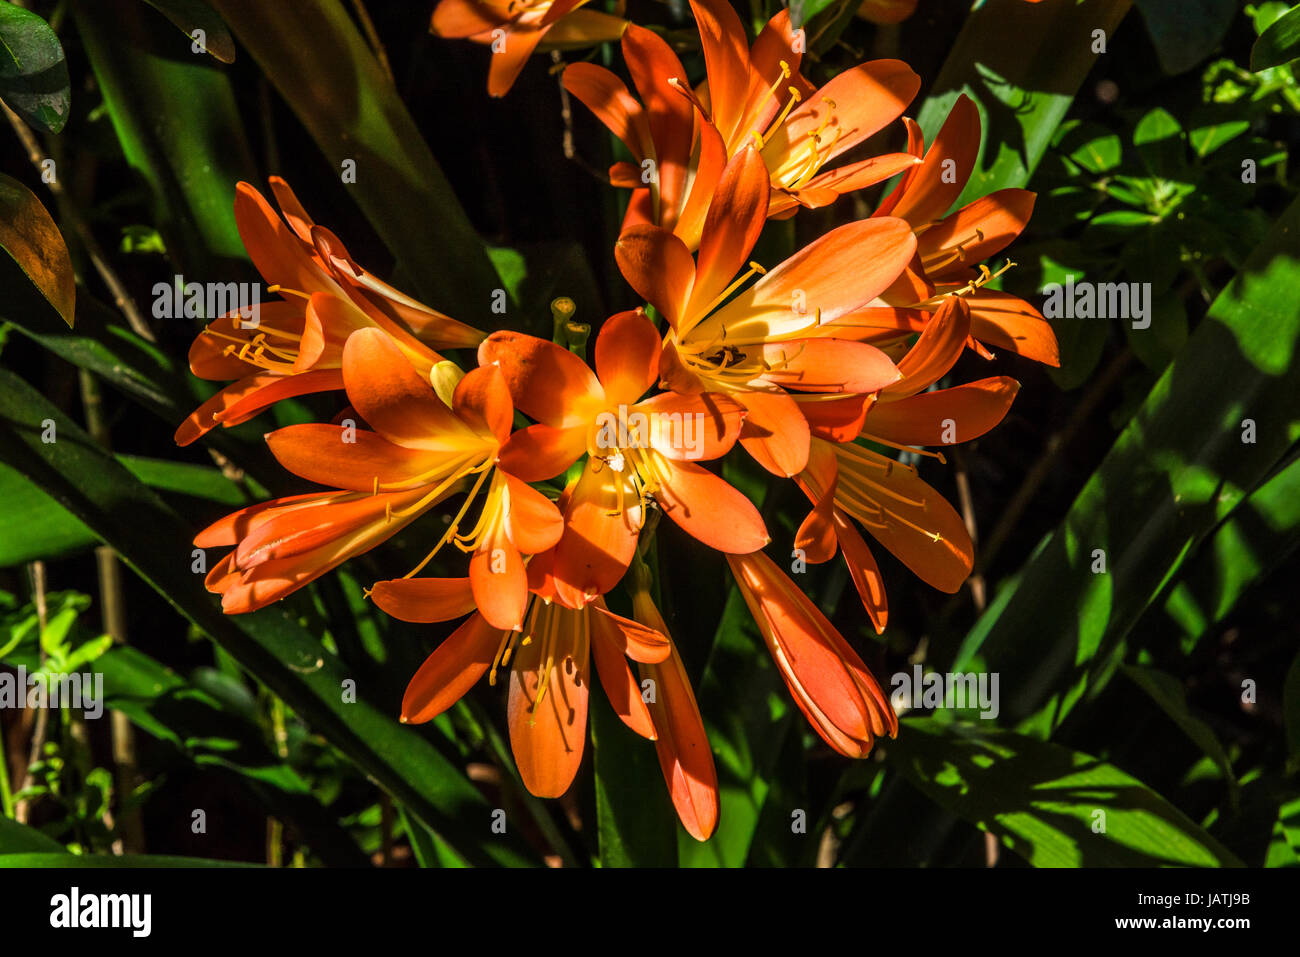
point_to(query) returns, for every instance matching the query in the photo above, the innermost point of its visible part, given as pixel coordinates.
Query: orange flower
(515, 29)
(293, 346)
(828, 681)
(849, 482)
(949, 246)
(766, 340)
(638, 449)
(749, 96)
(421, 452)
(550, 670)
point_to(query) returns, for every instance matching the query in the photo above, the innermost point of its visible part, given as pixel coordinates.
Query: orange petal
(945, 416)
(834, 418)
(726, 61)
(457, 19)
(682, 745)
(709, 509)
(697, 427)
(540, 452)
(240, 401)
(548, 732)
(453, 668)
(390, 395)
(735, 219)
(659, 267)
(627, 356)
(669, 116)
(826, 678)
(640, 642)
(547, 383)
(508, 61)
(935, 351)
(816, 534)
(600, 534)
(863, 570)
(858, 103)
(208, 356)
(828, 365)
(482, 400)
(279, 255)
(350, 458)
(424, 600)
(1011, 323)
(500, 585)
(533, 522)
(982, 229)
(606, 96)
(937, 183)
(621, 686)
(775, 432)
(843, 270)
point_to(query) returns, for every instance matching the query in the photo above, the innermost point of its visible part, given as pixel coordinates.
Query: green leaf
(33, 71)
(1178, 469)
(1185, 32)
(179, 127)
(37, 255)
(1279, 44)
(356, 115)
(801, 11)
(46, 531)
(156, 544)
(18, 838)
(1048, 803)
(192, 16)
(1022, 63)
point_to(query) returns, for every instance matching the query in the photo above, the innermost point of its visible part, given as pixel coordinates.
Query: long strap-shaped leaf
(313, 53)
(1213, 427)
(155, 542)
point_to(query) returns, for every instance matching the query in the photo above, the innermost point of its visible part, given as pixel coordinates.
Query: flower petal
(351, 458)
(959, 414)
(547, 383)
(627, 356)
(709, 509)
(453, 668)
(948, 165)
(424, 600)
(659, 267)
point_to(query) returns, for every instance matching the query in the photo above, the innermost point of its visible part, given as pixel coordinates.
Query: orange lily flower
(421, 452)
(682, 744)
(849, 482)
(294, 345)
(638, 449)
(829, 682)
(766, 340)
(948, 245)
(516, 29)
(550, 670)
(751, 95)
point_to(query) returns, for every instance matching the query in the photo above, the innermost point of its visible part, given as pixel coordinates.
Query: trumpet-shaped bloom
(516, 29)
(421, 451)
(852, 484)
(294, 346)
(550, 670)
(682, 139)
(637, 449)
(950, 246)
(832, 687)
(769, 339)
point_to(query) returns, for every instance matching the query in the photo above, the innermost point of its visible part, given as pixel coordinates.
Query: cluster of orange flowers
(814, 368)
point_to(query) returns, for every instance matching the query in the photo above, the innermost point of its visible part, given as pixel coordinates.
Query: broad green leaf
(1022, 63)
(1185, 32)
(37, 257)
(33, 71)
(197, 21)
(1260, 533)
(179, 126)
(18, 838)
(1279, 44)
(1183, 463)
(156, 544)
(1053, 806)
(356, 117)
(801, 11)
